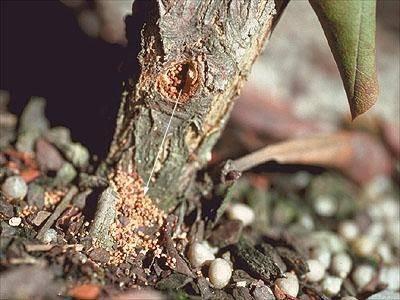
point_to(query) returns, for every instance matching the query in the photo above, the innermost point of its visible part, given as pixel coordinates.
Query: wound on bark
(181, 78)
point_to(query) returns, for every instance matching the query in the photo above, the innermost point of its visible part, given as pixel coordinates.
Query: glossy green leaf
(349, 26)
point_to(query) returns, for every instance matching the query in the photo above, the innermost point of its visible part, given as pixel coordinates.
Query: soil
(49, 249)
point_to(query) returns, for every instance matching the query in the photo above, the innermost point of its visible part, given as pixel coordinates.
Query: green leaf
(349, 27)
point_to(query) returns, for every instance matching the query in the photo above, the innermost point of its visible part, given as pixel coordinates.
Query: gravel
(289, 285)
(220, 273)
(14, 187)
(341, 264)
(50, 236)
(362, 275)
(317, 270)
(199, 254)
(331, 285)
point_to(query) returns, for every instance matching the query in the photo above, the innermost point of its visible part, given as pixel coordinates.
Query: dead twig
(58, 211)
(38, 247)
(356, 154)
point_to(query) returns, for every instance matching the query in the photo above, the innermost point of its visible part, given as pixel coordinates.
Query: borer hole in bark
(182, 77)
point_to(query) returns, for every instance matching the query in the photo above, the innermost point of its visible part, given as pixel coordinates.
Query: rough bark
(201, 49)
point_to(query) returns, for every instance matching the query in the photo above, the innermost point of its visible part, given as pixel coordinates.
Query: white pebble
(375, 212)
(375, 231)
(49, 236)
(14, 221)
(288, 285)
(14, 187)
(363, 246)
(220, 273)
(322, 255)
(242, 212)
(391, 276)
(384, 252)
(301, 179)
(317, 270)
(390, 209)
(341, 265)
(377, 187)
(393, 233)
(327, 239)
(199, 254)
(362, 275)
(241, 283)
(307, 222)
(348, 230)
(331, 285)
(325, 206)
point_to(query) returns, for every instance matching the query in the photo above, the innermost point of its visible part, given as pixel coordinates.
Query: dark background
(44, 53)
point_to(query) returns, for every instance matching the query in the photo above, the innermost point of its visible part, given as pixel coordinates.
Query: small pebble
(307, 222)
(390, 209)
(375, 212)
(327, 239)
(14, 187)
(363, 246)
(47, 156)
(348, 230)
(341, 264)
(77, 154)
(65, 175)
(322, 255)
(393, 233)
(40, 217)
(263, 292)
(390, 276)
(59, 136)
(14, 221)
(331, 285)
(49, 236)
(6, 208)
(79, 247)
(83, 258)
(377, 187)
(199, 254)
(375, 231)
(301, 179)
(384, 252)
(241, 283)
(288, 285)
(242, 212)
(79, 258)
(362, 275)
(317, 270)
(325, 206)
(220, 273)
(99, 255)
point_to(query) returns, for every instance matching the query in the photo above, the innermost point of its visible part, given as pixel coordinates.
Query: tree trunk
(202, 50)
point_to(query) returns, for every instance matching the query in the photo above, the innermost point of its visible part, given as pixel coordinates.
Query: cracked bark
(203, 49)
